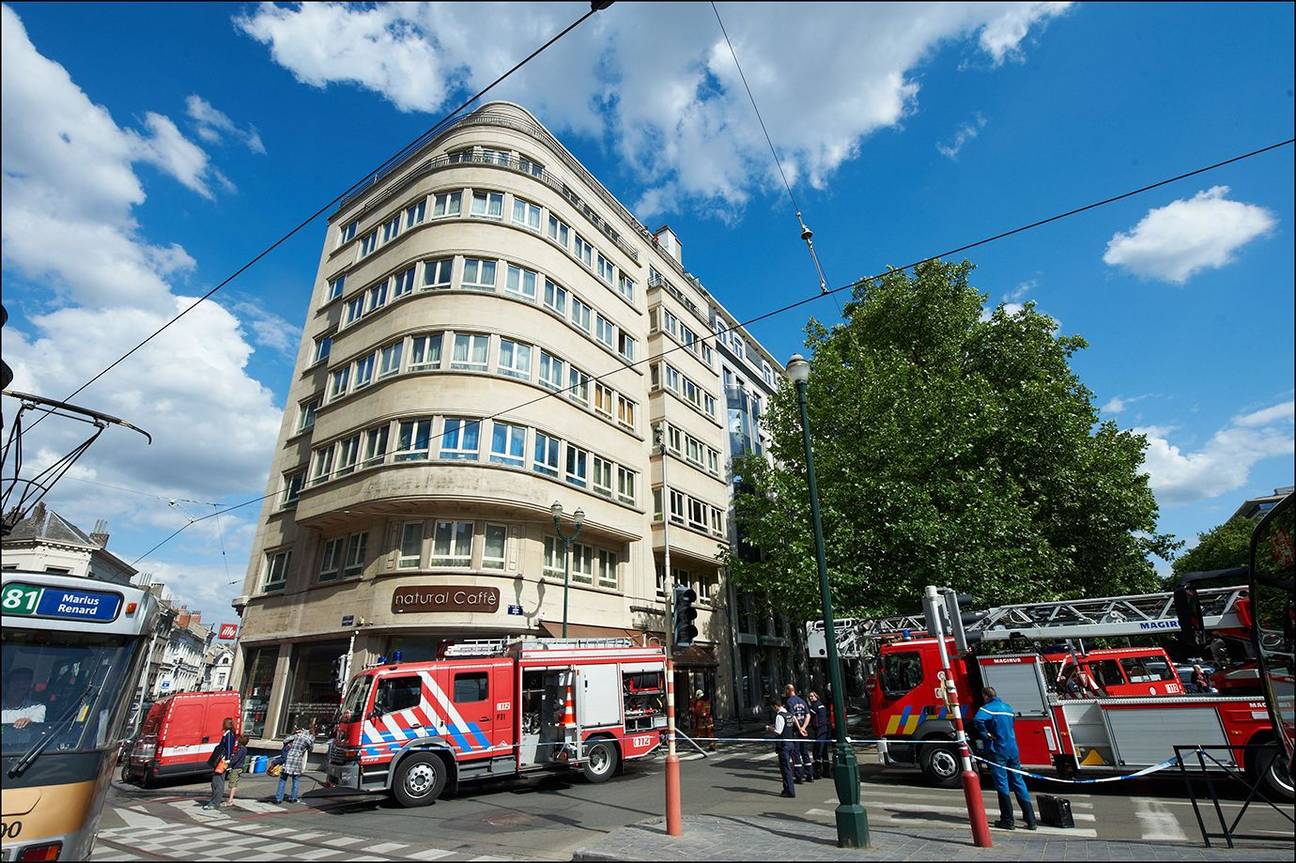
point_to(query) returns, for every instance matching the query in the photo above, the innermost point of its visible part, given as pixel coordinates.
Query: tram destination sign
(32, 600)
(445, 598)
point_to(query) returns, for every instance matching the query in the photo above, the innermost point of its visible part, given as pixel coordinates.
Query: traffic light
(685, 614)
(1188, 608)
(960, 621)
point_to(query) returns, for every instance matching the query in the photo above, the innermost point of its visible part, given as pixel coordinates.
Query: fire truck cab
(1135, 672)
(489, 710)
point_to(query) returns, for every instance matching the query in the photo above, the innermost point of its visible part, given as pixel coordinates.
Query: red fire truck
(1073, 732)
(498, 709)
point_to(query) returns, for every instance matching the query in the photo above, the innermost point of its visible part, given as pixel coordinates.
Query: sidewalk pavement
(763, 837)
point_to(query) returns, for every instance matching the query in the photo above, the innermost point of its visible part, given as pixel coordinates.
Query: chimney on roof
(669, 243)
(100, 535)
(196, 617)
(182, 619)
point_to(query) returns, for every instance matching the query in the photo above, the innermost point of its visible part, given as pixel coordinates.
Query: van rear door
(182, 744)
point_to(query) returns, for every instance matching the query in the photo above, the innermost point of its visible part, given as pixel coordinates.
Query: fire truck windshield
(353, 703)
(901, 672)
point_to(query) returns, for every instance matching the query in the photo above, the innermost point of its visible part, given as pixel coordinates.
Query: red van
(179, 734)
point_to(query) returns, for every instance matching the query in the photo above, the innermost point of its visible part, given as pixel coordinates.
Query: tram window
(901, 672)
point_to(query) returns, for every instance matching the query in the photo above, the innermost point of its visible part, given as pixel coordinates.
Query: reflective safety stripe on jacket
(995, 721)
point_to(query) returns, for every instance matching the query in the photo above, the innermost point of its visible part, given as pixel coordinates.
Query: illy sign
(228, 631)
(450, 597)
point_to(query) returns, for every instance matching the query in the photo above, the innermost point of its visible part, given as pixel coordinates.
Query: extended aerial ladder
(1110, 616)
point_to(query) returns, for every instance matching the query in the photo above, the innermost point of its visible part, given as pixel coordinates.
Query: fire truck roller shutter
(1018, 683)
(1143, 736)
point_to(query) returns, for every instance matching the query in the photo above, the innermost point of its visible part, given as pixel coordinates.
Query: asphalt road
(549, 817)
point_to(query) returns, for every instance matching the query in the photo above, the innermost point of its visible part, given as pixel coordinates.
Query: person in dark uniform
(799, 712)
(783, 744)
(994, 724)
(821, 727)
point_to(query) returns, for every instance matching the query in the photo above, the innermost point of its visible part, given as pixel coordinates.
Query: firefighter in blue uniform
(821, 727)
(994, 724)
(783, 743)
(799, 712)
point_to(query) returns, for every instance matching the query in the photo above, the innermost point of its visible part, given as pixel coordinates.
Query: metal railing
(1207, 768)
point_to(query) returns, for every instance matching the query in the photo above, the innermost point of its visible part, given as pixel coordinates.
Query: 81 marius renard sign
(30, 600)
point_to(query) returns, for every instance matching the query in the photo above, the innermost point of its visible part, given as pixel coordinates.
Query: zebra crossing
(180, 829)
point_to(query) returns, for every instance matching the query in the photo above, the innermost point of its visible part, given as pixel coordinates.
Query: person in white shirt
(19, 707)
(784, 740)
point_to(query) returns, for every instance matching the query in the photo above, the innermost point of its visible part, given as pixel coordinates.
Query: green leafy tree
(1221, 547)
(950, 450)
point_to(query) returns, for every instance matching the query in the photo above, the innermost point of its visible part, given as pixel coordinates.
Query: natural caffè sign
(450, 597)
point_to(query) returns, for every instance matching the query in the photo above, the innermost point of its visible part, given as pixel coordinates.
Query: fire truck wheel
(940, 764)
(420, 778)
(1271, 768)
(601, 761)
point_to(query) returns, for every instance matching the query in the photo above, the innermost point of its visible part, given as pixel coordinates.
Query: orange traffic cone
(569, 710)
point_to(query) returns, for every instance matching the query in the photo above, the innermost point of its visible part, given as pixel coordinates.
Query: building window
(478, 273)
(323, 469)
(389, 359)
(602, 400)
(323, 346)
(348, 231)
(414, 214)
(626, 482)
(276, 572)
(553, 556)
(391, 228)
(458, 156)
(348, 455)
(535, 169)
(626, 346)
(364, 369)
(551, 370)
(582, 563)
(515, 359)
(526, 214)
(577, 466)
(376, 445)
(558, 231)
(335, 286)
(555, 297)
(604, 331)
(354, 309)
(338, 382)
(436, 274)
(581, 314)
(674, 440)
(717, 521)
(412, 440)
(607, 569)
(357, 545)
(627, 287)
(508, 444)
(602, 481)
(545, 454)
(425, 352)
(331, 559)
(403, 282)
(578, 386)
(709, 404)
(411, 545)
(697, 516)
(377, 296)
(605, 271)
(459, 438)
(626, 412)
(494, 157)
(493, 550)
(520, 281)
(292, 486)
(488, 204)
(584, 251)
(677, 506)
(452, 543)
(470, 351)
(306, 417)
(447, 204)
(369, 243)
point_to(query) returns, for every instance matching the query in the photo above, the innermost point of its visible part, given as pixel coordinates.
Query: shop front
(314, 690)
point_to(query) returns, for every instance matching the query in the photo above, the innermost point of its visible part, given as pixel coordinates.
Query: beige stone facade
(474, 351)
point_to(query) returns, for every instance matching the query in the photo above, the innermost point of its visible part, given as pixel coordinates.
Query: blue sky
(917, 128)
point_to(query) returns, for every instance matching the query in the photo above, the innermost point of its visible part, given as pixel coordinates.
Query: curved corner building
(472, 354)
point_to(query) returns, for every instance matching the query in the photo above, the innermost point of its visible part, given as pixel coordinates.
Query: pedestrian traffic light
(685, 614)
(961, 621)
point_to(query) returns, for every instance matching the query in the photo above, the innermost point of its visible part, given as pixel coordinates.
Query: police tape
(1146, 771)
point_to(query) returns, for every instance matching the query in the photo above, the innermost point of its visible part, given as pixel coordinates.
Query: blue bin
(260, 763)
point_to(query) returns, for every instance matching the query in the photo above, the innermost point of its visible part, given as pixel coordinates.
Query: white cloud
(213, 125)
(965, 133)
(1224, 462)
(656, 82)
(1188, 235)
(69, 195)
(1118, 404)
(1023, 288)
(268, 329)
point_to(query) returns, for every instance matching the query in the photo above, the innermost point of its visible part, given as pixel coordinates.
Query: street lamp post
(579, 518)
(852, 820)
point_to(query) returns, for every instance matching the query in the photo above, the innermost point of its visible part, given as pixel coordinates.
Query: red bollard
(674, 827)
(975, 803)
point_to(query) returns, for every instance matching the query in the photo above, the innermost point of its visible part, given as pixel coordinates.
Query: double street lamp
(852, 820)
(579, 519)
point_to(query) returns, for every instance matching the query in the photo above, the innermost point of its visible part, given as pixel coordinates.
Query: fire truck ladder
(1110, 616)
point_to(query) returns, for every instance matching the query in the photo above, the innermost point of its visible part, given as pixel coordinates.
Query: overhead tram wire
(806, 234)
(395, 159)
(810, 299)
